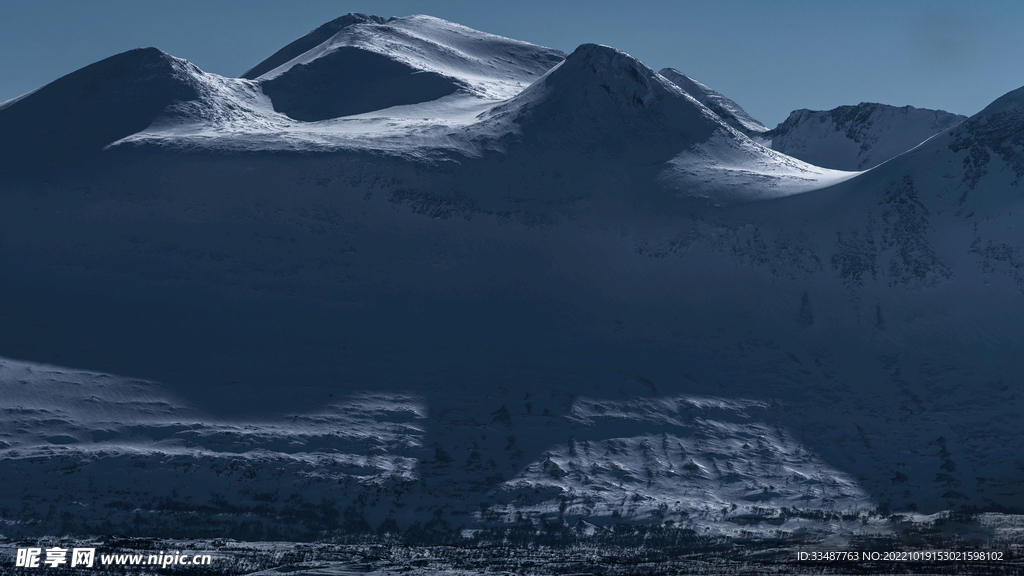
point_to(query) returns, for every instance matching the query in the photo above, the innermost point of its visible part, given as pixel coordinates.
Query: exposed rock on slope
(999, 128)
(857, 137)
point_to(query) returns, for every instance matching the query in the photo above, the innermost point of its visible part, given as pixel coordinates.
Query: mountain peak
(589, 52)
(1010, 103)
(618, 73)
(316, 37)
(91, 107)
(605, 109)
(857, 137)
(360, 64)
(598, 88)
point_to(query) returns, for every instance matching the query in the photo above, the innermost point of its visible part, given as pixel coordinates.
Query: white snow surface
(464, 310)
(599, 100)
(488, 66)
(857, 137)
(727, 109)
(713, 466)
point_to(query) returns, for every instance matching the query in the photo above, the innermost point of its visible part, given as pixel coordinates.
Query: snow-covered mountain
(599, 109)
(726, 109)
(315, 38)
(355, 64)
(927, 241)
(857, 137)
(565, 295)
(90, 108)
(369, 63)
(603, 109)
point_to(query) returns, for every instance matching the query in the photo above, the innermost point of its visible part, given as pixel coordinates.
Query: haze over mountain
(516, 286)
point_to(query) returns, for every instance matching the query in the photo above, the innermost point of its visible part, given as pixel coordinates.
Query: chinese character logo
(28, 557)
(56, 556)
(83, 557)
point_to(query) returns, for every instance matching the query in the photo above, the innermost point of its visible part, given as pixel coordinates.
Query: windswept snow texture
(857, 137)
(567, 294)
(612, 108)
(309, 41)
(598, 112)
(370, 65)
(90, 442)
(726, 109)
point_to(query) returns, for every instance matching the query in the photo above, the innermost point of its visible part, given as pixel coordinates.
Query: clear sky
(770, 56)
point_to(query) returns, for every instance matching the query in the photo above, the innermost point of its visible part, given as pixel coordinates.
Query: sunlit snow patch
(704, 463)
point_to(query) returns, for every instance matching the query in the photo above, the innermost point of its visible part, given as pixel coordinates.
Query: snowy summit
(404, 279)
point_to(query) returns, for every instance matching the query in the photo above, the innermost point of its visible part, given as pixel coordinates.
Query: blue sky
(770, 56)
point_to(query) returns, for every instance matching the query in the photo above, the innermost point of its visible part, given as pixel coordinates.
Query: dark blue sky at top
(770, 56)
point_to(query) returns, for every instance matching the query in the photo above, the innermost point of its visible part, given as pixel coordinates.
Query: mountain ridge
(729, 110)
(484, 65)
(857, 137)
(84, 111)
(591, 303)
(314, 38)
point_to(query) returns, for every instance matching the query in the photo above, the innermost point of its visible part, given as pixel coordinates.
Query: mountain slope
(995, 129)
(84, 111)
(316, 37)
(926, 251)
(370, 64)
(727, 109)
(601, 103)
(857, 137)
(599, 108)
(560, 310)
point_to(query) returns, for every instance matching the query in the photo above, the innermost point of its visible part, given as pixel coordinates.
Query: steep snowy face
(728, 110)
(942, 213)
(371, 64)
(94, 106)
(602, 98)
(939, 215)
(857, 137)
(603, 105)
(970, 171)
(998, 129)
(424, 88)
(318, 36)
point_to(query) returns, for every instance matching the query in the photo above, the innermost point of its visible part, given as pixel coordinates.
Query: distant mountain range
(857, 137)
(407, 277)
